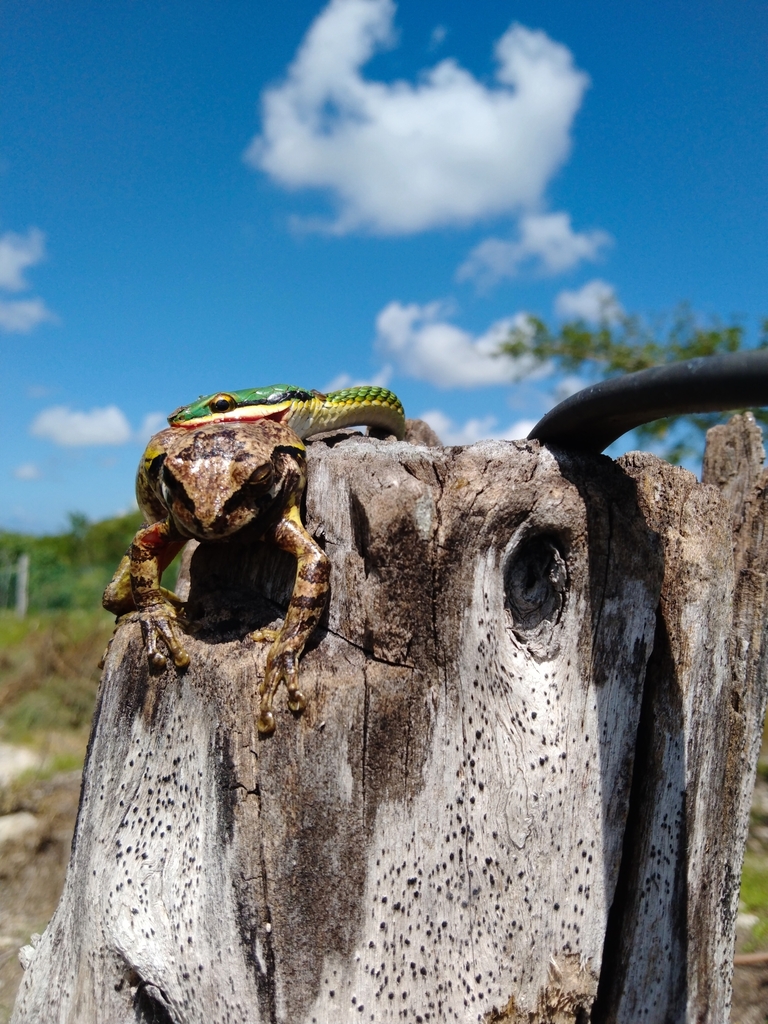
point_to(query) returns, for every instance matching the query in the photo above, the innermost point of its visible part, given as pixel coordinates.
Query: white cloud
(566, 387)
(519, 430)
(17, 252)
(547, 243)
(27, 471)
(346, 380)
(21, 315)
(595, 301)
(69, 428)
(437, 36)
(451, 433)
(425, 346)
(401, 157)
(151, 424)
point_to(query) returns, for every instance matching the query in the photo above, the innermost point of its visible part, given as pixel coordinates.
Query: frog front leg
(118, 597)
(153, 548)
(310, 592)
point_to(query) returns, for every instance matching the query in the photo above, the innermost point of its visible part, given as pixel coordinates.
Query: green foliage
(620, 344)
(49, 672)
(754, 898)
(67, 570)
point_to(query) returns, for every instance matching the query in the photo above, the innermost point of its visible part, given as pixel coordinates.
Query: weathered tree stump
(519, 791)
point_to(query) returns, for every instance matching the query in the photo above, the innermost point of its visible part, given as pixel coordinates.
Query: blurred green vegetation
(753, 898)
(49, 660)
(49, 672)
(69, 570)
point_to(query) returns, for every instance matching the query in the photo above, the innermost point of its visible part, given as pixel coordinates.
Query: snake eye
(222, 403)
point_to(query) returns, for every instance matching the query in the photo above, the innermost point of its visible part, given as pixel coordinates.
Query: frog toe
(160, 623)
(177, 651)
(281, 668)
(266, 722)
(156, 659)
(264, 635)
(296, 700)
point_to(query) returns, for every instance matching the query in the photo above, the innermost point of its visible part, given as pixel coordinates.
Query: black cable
(593, 418)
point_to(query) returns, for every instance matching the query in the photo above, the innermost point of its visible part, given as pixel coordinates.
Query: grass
(49, 675)
(754, 899)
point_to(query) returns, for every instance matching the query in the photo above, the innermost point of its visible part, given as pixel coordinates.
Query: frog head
(273, 402)
(219, 480)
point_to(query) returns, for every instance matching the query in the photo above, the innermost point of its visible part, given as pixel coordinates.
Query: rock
(14, 761)
(15, 827)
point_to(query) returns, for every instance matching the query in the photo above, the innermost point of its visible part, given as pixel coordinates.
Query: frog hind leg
(118, 596)
(135, 589)
(308, 600)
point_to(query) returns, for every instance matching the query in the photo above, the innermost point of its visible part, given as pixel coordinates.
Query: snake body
(593, 418)
(305, 412)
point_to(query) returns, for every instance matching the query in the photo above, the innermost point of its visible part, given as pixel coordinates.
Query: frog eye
(222, 403)
(262, 476)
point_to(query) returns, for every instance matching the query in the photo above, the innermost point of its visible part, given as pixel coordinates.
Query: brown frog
(211, 483)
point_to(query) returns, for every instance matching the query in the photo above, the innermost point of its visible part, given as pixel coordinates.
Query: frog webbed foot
(282, 667)
(264, 635)
(161, 622)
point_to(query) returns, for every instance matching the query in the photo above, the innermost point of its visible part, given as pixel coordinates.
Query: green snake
(305, 412)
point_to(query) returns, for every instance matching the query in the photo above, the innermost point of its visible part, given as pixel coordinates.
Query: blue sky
(207, 196)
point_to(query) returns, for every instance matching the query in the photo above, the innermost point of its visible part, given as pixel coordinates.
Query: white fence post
(22, 585)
